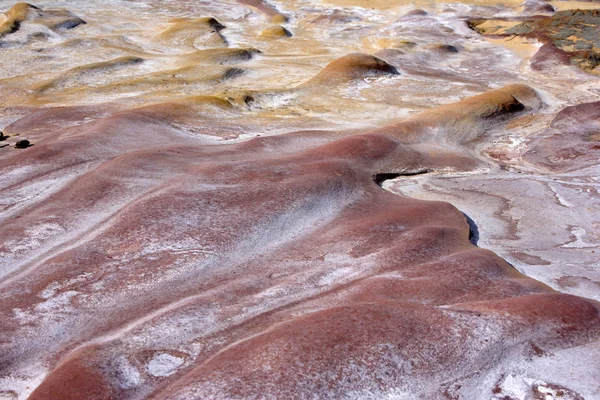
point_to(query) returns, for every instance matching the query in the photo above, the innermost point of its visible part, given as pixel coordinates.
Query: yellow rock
(275, 32)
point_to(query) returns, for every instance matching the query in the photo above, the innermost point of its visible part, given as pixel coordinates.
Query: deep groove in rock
(386, 176)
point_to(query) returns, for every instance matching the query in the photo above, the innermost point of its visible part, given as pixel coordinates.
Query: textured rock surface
(570, 32)
(313, 199)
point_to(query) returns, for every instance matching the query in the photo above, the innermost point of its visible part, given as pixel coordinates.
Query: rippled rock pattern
(341, 199)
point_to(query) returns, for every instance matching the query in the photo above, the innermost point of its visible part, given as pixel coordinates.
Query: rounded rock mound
(351, 67)
(54, 19)
(275, 32)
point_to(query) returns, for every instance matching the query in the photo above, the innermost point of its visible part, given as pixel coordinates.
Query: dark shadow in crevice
(515, 268)
(380, 178)
(473, 230)
(386, 176)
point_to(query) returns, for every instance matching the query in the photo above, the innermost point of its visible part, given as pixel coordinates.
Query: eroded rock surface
(310, 199)
(569, 35)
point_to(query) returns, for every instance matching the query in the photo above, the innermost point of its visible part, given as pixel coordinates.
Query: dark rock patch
(22, 144)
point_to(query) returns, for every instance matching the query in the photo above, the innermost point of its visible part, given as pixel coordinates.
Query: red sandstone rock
(275, 266)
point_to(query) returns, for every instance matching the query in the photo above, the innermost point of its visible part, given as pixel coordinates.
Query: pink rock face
(275, 267)
(571, 142)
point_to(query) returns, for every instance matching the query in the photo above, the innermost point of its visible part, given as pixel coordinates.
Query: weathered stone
(22, 144)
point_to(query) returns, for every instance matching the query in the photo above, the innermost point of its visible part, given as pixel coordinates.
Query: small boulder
(22, 144)
(351, 67)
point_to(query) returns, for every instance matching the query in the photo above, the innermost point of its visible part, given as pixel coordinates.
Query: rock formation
(332, 199)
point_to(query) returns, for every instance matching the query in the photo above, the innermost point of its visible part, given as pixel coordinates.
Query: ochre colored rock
(274, 15)
(393, 43)
(474, 114)
(275, 32)
(21, 12)
(89, 72)
(189, 30)
(13, 18)
(350, 67)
